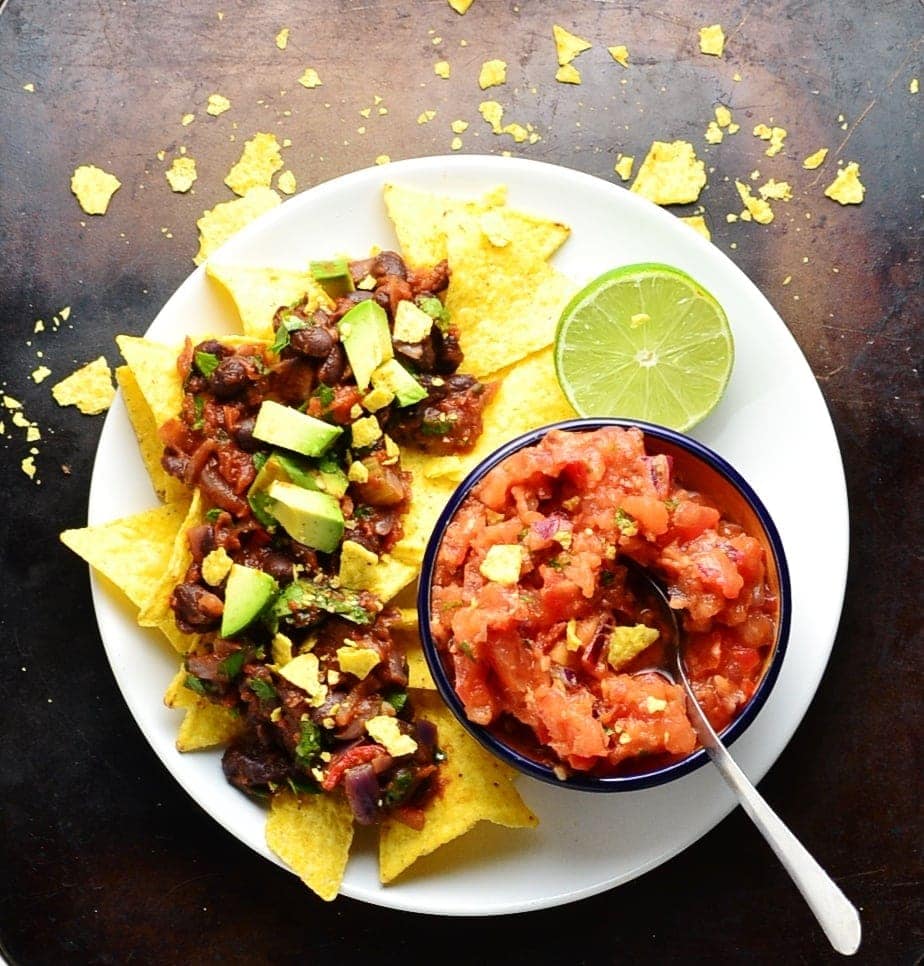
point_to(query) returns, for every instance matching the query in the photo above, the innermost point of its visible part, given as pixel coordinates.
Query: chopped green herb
(626, 523)
(303, 595)
(362, 512)
(262, 689)
(435, 309)
(259, 459)
(206, 362)
(309, 742)
(199, 408)
(231, 666)
(288, 324)
(466, 649)
(397, 699)
(304, 787)
(195, 684)
(325, 395)
(399, 787)
(213, 514)
(436, 427)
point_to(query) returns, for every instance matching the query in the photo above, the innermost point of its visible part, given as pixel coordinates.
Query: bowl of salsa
(539, 640)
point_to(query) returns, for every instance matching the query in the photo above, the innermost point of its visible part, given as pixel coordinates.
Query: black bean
(243, 435)
(279, 567)
(332, 368)
(389, 263)
(229, 378)
(314, 342)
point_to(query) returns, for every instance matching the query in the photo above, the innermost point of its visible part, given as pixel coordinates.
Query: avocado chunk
(287, 427)
(333, 276)
(392, 377)
(367, 340)
(307, 516)
(247, 593)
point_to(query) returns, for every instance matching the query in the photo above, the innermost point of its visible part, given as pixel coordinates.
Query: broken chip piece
(620, 54)
(671, 174)
(227, 218)
(258, 163)
(712, 40)
(310, 78)
(93, 188)
(815, 160)
(90, 388)
(493, 73)
(568, 45)
(181, 174)
(217, 105)
(846, 188)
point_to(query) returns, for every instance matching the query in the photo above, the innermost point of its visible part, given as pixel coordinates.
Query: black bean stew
(346, 721)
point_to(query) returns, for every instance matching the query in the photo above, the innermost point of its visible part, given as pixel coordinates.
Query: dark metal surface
(104, 859)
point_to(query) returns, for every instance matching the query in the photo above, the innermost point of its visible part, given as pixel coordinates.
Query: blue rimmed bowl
(696, 467)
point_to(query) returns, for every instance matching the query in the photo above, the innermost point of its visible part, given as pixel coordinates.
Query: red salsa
(546, 641)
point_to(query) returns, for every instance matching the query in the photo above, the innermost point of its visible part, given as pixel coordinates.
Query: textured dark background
(104, 859)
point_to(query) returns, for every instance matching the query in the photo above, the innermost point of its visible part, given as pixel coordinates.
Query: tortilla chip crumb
(493, 74)
(913, 86)
(778, 190)
(28, 467)
(181, 174)
(620, 54)
(456, 143)
(310, 78)
(460, 6)
(40, 374)
(187, 119)
(757, 209)
(218, 224)
(258, 163)
(218, 104)
(815, 160)
(623, 166)
(286, 182)
(568, 45)
(424, 117)
(712, 40)
(30, 88)
(382, 159)
(459, 126)
(671, 174)
(492, 112)
(90, 388)
(441, 69)
(775, 135)
(93, 188)
(714, 134)
(282, 38)
(698, 224)
(568, 74)
(846, 188)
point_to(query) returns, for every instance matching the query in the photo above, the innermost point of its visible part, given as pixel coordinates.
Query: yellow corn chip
(154, 367)
(428, 498)
(698, 224)
(418, 672)
(846, 188)
(568, 74)
(258, 163)
(168, 488)
(312, 835)
(181, 174)
(205, 724)
(259, 291)
(460, 6)
(90, 388)
(94, 188)
(475, 787)
(568, 45)
(757, 209)
(493, 73)
(620, 54)
(815, 160)
(226, 219)
(671, 174)
(712, 40)
(156, 608)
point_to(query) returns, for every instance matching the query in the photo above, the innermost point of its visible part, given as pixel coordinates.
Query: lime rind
(645, 342)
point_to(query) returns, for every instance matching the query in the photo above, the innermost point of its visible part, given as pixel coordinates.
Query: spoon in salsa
(834, 912)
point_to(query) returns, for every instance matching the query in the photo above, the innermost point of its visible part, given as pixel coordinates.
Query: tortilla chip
(712, 40)
(220, 223)
(528, 396)
(360, 569)
(181, 174)
(428, 498)
(698, 224)
(493, 73)
(155, 609)
(154, 367)
(205, 724)
(90, 388)
(756, 209)
(568, 74)
(815, 160)
(419, 676)
(258, 163)
(312, 835)
(568, 45)
(420, 220)
(132, 552)
(475, 787)
(259, 291)
(218, 104)
(671, 174)
(846, 188)
(168, 488)
(93, 188)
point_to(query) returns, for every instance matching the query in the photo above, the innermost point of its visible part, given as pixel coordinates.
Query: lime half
(644, 342)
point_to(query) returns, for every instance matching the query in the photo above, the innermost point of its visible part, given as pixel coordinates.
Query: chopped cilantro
(302, 595)
(399, 787)
(325, 395)
(212, 515)
(206, 362)
(262, 689)
(288, 324)
(466, 649)
(362, 512)
(304, 787)
(309, 742)
(436, 427)
(435, 309)
(626, 523)
(195, 684)
(199, 406)
(397, 699)
(231, 666)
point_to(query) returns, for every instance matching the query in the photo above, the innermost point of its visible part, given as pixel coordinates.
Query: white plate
(772, 424)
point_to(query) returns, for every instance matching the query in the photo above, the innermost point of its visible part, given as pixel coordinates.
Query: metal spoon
(834, 912)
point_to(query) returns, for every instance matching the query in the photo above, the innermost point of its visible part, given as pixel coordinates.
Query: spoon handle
(834, 912)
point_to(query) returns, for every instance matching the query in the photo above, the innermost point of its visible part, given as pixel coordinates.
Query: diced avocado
(626, 642)
(331, 478)
(287, 427)
(307, 516)
(394, 378)
(326, 476)
(333, 276)
(366, 339)
(411, 323)
(502, 563)
(247, 593)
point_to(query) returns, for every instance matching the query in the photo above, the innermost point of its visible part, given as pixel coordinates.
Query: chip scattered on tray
(777, 190)
(93, 188)
(620, 54)
(218, 224)
(671, 174)
(310, 78)
(815, 160)
(493, 73)
(568, 74)
(286, 183)
(623, 166)
(460, 6)
(568, 45)
(258, 163)
(712, 40)
(441, 69)
(698, 224)
(181, 174)
(282, 38)
(755, 209)
(217, 105)
(775, 135)
(90, 388)
(846, 188)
